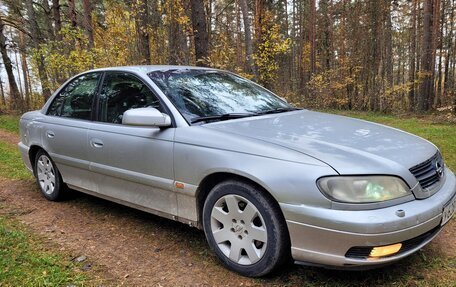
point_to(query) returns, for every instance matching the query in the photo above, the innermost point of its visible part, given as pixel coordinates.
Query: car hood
(350, 146)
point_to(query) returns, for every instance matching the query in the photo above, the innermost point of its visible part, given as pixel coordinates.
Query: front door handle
(96, 143)
(50, 134)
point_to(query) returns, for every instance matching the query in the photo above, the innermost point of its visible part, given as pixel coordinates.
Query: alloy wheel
(238, 229)
(46, 174)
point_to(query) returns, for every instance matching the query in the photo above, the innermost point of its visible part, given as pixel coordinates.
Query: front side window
(75, 100)
(122, 92)
(204, 93)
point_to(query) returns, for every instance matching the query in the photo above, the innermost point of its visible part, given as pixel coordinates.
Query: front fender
(287, 181)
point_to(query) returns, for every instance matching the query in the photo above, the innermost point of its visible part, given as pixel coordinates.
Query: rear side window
(75, 100)
(121, 92)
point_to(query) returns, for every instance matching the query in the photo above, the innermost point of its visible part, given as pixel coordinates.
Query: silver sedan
(265, 181)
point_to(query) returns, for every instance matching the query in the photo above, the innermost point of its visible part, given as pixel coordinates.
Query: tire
(48, 177)
(251, 238)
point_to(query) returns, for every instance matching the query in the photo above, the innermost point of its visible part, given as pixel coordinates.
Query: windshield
(205, 93)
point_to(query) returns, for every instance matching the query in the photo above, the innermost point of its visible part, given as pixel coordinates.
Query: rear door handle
(50, 134)
(97, 143)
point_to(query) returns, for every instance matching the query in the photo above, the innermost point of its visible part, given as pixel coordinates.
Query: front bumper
(324, 236)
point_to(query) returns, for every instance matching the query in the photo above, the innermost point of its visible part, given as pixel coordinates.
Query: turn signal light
(385, 250)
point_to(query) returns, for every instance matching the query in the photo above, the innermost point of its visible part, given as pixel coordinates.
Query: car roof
(148, 68)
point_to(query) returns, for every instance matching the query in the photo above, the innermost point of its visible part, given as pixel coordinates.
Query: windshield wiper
(278, 110)
(221, 117)
(230, 116)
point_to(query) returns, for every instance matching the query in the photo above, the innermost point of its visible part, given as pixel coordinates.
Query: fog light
(385, 250)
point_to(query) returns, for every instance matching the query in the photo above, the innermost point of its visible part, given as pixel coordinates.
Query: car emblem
(238, 227)
(439, 169)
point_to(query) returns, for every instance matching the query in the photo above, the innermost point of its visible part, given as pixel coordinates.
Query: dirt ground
(138, 249)
(133, 248)
(9, 138)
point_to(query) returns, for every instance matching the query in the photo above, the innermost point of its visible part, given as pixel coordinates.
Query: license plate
(448, 210)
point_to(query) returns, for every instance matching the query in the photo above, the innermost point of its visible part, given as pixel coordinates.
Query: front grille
(362, 252)
(429, 172)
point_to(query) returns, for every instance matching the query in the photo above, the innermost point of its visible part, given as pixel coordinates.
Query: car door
(65, 126)
(131, 164)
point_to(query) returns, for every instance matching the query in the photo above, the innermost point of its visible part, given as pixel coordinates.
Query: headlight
(363, 189)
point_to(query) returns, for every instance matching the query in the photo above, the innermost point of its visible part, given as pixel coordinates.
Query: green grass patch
(11, 165)
(9, 123)
(23, 262)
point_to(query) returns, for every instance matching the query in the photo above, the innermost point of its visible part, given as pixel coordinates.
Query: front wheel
(245, 228)
(48, 177)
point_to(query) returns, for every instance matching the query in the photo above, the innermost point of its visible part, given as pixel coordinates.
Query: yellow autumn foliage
(272, 44)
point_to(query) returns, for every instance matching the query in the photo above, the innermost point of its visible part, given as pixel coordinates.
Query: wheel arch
(211, 180)
(33, 150)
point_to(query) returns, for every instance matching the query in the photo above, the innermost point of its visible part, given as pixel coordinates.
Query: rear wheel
(245, 228)
(48, 177)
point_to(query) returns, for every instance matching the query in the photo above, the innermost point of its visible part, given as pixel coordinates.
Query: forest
(378, 55)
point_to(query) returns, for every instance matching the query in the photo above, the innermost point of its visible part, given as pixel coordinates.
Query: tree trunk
(88, 21)
(72, 13)
(326, 26)
(22, 51)
(446, 81)
(2, 94)
(426, 87)
(263, 12)
(259, 14)
(438, 101)
(247, 37)
(374, 55)
(388, 46)
(434, 37)
(157, 48)
(15, 98)
(36, 33)
(47, 20)
(57, 19)
(313, 46)
(199, 26)
(19, 80)
(58, 36)
(208, 13)
(239, 51)
(176, 38)
(418, 41)
(412, 59)
(142, 31)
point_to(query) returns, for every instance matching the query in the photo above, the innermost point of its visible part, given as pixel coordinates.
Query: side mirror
(146, 117)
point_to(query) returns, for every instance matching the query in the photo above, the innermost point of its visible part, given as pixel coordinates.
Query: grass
(11, 165)
(9, 123)
(23, 261)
